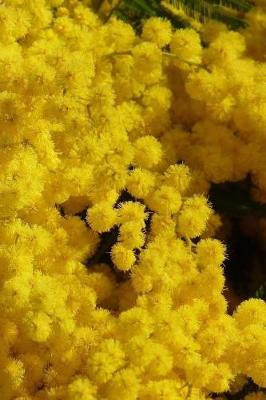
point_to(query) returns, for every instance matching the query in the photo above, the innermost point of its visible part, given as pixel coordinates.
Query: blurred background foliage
(181, 13)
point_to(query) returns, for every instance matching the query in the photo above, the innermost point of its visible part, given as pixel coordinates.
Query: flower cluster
(89, 111)
(221, 104)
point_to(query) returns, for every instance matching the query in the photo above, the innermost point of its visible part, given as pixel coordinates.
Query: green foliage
(261, 292)
(234, 199)
(135, 11)
(231, 12)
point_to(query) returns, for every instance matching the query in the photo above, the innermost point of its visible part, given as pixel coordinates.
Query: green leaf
(230, 12)
(261, 292)
(234, 199)
(135, 11)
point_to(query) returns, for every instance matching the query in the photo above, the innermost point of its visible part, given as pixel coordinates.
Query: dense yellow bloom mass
(89, 112)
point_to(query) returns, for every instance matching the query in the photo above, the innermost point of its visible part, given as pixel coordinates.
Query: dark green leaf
(230, 12)
(261, 292)
(234, 199)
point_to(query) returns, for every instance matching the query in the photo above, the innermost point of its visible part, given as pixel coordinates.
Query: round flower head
(131, 235)
(119, 35)
(193, 218)
(101, 217)
(122, 257)
(38, 326)
(158, 31)
(186, 45)
(135, 322)
(147, 63)
(140, 183)
(199, 203)
(148, 152)
(210, 252)
(131, 211)
(162, 224)
(124, 382)
(211, 30)
(105, 359)
(162, 389)
(165, 200)
(178, 176)
(250, 311)
(81, 389)
(157, 98)
(227, 47)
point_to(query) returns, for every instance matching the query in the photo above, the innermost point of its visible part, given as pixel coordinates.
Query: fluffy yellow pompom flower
(157, 98)
(190, 224)
(210, 252)
(125, 384)
(249, 311)
(221, 377)
(186, 45)
(122, 257)
(147, 68)
(177, 176)
(165, 200)
(19, 188)
(211, 29)
(38, 326)
(161, 389)
(81, 389)
(120, 35)
(105, 360)
(131, 211)
(131, 235)
(227, 47)
(148, 152)
(162, 224)
(101, 217)
(157, 30)
(140, 183)
(102, 281)
(250, 352)
(161, 360)
(135, 323)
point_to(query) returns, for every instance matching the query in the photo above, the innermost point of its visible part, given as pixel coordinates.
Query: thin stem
(165, 53)
(120, 53)
(168, 54)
